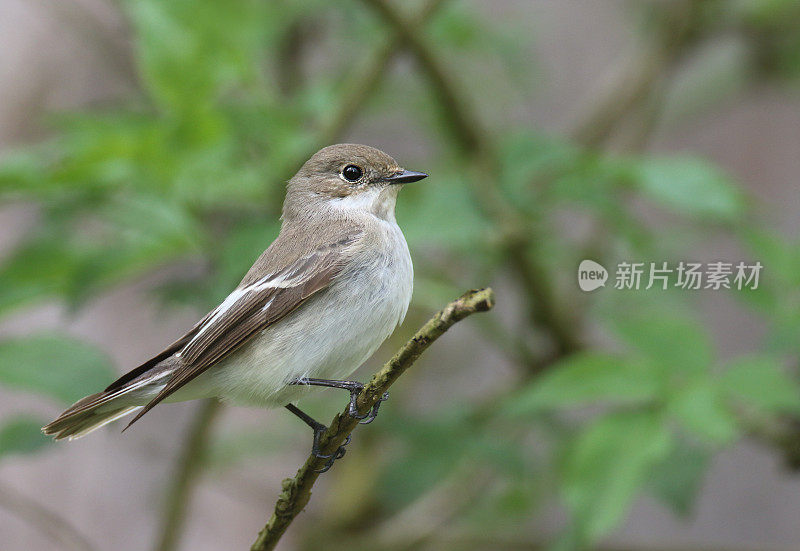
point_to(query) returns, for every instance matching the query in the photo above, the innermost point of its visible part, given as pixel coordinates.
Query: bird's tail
(89, 414)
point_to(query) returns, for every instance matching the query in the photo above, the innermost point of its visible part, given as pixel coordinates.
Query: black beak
(406, 177)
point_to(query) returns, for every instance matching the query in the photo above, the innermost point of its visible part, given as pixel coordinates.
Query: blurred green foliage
(21, 434)
(65, 368)
(190, 171)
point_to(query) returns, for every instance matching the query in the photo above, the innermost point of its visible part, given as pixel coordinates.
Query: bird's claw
(355, 388)
(315, 451)
(368, 417)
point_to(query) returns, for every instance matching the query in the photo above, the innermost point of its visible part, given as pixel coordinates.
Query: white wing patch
(280, 280)
(219, 311)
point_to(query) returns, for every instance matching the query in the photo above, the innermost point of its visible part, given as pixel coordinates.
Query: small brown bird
(314, 306)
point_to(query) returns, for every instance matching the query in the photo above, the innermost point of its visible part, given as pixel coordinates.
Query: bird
(315, 305)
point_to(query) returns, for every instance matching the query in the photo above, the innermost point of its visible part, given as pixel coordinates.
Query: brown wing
(249, 310)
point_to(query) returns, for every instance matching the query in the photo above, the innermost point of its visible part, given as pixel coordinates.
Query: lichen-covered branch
(297, 491)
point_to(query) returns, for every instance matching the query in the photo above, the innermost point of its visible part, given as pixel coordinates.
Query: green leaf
(780, 256)
(188, 52)
(691, 186)
(779, 286)
(761, 382)
(589, 179)
(607, 465)
(677, 479)
(431, 447)
(701, 410)
(57, 366)
(586, 379)
(22, 172)
(528, 159)
(677, 343)
(37, 270)
(22, 434)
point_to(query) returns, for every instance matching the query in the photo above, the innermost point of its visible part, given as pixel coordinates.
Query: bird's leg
(354, 387)
(318, 429)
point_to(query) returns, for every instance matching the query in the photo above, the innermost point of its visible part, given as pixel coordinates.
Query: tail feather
(83, 423)
(89, 414)
(94, 411)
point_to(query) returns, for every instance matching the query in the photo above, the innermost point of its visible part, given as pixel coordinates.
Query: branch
(466, 128)
(780, 433)
(367, 81)
(45, 521)
(186, 470)
(472, 139)
(297, 491)
(676, 29)
(464, 124)
(637, 77)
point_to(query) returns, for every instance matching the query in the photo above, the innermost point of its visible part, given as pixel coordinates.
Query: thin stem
(289, 56)
(187, 469)
(44, 520)
(297, 491)
(472, 138)
(637, 77)
(466, 129)
(368, 80)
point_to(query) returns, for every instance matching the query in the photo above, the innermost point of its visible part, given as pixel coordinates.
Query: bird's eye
(352, 173)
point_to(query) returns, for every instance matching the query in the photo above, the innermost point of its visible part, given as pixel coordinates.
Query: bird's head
(347, 177)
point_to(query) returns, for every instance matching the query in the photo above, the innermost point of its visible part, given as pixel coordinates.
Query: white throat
(379, 201)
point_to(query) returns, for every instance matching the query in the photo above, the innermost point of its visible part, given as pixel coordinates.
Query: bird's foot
(316, 452)
(319, 429)
(355, 388)
(370, 416)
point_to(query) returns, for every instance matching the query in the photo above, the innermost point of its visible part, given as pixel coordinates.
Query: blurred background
(144, 148)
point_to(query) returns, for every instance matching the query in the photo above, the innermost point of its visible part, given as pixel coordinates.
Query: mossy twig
(297, 491)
